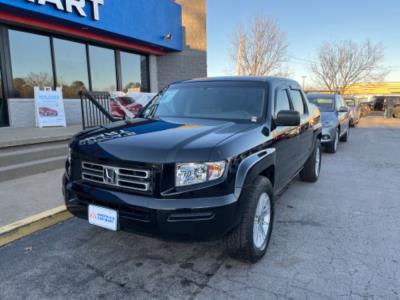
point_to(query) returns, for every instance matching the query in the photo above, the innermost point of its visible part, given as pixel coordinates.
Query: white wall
(22, 112)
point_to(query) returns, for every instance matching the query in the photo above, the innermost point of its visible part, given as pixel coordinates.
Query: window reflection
(30, 62)
(131, 71)
(71, 67)
(102, 68)
(1, 89)
(281, 102)
(3, 111)
(297, 101)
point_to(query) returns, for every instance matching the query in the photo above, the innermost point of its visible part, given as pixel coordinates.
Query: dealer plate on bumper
(103, 217)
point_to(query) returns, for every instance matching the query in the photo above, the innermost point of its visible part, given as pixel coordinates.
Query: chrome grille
(133, 179)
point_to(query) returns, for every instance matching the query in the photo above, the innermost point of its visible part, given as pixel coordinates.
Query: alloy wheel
(336, 140)
(317, 161)
(262, 220)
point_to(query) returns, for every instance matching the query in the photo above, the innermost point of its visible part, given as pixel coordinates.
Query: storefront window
(71, 67)
(1, 89)
(131, 71)
(102, 69)
(2, 104)
(30, 62)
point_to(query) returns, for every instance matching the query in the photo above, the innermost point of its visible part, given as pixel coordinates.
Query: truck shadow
(80, 260)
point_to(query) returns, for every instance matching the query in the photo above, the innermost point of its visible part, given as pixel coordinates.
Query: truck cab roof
(270, 80)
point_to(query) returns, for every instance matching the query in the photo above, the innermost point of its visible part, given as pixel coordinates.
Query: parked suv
(392, 106)
(354, 110)
(203, 160)
(335, 119)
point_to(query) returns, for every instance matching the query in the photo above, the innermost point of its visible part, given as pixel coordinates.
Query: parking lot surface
(24, 197)
(338, 238)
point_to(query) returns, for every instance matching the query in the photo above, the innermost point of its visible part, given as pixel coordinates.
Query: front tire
(345, 137)
(332, 146)
(312, 167)
(250, 239)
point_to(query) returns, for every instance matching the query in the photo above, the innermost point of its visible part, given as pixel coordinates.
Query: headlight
(195, 173)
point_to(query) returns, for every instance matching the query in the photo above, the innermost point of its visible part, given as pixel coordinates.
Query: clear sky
(307, 24)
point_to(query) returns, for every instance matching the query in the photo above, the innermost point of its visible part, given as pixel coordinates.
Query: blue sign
(153, 22)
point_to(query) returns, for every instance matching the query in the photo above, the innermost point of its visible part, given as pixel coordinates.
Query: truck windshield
(324, 104)
(243, 102)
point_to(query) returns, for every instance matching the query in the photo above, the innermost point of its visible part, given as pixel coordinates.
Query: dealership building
(97, 45)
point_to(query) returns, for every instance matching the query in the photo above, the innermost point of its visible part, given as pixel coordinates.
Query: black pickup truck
(203, 160)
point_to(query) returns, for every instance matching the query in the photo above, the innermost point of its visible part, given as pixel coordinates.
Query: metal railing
(96, 109)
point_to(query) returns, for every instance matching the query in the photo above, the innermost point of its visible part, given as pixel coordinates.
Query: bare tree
(41, 79)
(259, 49)
(340, 65)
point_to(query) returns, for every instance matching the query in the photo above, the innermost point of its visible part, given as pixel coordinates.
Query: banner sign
(142, 98)
(150, 22)
(49, 108)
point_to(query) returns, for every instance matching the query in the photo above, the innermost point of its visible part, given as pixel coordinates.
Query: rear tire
(332, 146)
(250, 239)
(312, 167)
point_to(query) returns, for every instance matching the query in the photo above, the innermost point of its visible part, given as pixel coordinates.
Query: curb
(35, 141)
(15, 231)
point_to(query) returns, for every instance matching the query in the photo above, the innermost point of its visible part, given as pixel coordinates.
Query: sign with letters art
(49, 108)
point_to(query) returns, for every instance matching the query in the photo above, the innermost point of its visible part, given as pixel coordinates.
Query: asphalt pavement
(336, 239)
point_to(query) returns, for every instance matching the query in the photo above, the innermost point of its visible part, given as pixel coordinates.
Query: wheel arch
(270, 174)
(260, 163)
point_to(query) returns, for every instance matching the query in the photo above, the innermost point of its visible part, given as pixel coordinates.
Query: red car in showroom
(124, 107)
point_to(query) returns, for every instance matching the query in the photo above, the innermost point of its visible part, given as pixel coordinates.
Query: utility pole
(240, 55)
(304, 81)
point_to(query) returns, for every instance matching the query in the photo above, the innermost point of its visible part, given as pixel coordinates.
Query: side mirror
(343, 109)
(288, 118)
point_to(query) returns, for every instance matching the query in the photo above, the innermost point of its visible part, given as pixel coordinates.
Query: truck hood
(157, 141)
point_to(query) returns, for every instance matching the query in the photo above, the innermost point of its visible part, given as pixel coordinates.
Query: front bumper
(328, 134)
(188, 219)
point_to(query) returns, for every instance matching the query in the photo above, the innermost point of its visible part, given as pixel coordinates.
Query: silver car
(354, 110)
